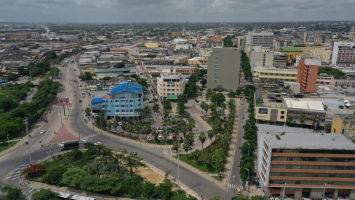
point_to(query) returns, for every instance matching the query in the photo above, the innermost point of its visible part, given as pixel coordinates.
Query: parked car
(42, 132)
(148, 138)
(134, 153)
(97, 143)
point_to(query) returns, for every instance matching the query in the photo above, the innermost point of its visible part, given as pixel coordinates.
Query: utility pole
(178, 161)
(8, 142)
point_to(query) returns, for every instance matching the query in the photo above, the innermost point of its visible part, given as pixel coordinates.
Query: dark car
(134, 153)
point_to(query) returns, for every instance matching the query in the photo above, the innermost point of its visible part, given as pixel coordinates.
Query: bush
(54, 175)
(10, 193)
(34, 170)
(45, 194)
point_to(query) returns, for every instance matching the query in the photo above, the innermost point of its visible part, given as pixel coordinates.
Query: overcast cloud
(175, 10)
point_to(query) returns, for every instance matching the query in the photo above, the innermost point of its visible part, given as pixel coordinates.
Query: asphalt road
(20, 157)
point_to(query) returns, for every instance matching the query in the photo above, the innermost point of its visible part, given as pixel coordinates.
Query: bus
(68, 145)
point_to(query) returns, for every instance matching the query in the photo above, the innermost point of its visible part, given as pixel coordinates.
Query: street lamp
(324, 190)
(248, 177)
(178, 138)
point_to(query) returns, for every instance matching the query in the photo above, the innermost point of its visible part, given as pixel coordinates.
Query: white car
(97, 143)
(148, 138)
(42, 132)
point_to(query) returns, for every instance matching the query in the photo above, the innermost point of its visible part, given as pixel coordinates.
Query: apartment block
(170, 86)
(280, 60)
(224, 67)
(308, 74)
(261, 57)
(306, 165)
(343, 54)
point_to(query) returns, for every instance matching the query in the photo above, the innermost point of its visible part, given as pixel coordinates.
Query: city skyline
(137, 11)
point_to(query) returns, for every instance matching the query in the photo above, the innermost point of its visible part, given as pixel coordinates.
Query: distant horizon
(191, 22)
(175, 11)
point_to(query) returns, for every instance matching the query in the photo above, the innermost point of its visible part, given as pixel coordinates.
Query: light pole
(248, 177)
(178, 159)
(8, 142)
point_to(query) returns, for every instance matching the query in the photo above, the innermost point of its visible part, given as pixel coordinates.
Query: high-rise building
(321, 53)
(224, 66)
(241, 42)
(343, 54)
(308, 74)
(263, 39)
(306, 165)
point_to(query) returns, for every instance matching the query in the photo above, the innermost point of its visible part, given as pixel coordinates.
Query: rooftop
(346, 116)
(127, 86)
(111, 70)
(304, 104)
(297, 140)
(289, 49)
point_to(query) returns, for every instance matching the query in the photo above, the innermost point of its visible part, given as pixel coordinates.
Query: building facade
(263, 39)
(343, 54)
(325, 80)
(343, 123)
(124, 101)
(261, 57)
(224, 67)
(170, 86)
(321, 53)
(308, 74)
(280, 60)
(306, 165)
(305, 112)
(197, 61)
(264, 74)
(111, 72)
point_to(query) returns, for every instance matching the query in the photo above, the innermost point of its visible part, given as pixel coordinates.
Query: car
(134, 153)
(97, 143)
(148, 138)
(42, 132)
(120, 123)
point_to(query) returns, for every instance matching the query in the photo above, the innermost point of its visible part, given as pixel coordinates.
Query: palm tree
(289, 119)
(303, 118)
(132, 162)
(202, 137)
(204, 106)
(210, 134)
(315, 118)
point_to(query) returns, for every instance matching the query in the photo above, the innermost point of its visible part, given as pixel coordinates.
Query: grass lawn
(5, 145)
(203, 168)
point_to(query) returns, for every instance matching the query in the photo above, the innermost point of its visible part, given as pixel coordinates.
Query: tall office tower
(224, 66)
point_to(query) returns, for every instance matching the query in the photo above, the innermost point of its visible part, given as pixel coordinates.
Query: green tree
(87, 111)
(10, 193)
(100, 120)
(202, 137)
(315, 118)
(218, 99)
(119, 65)
(132, 162)
(204, 106)
(218, 159)
(54, 72)
(72, 177)
(328, 127)
(303, 118)
(210, 134)
(188, 143)
(12, 76)
(45, 194)
(142, 82)
(289, 119)
(227, 41)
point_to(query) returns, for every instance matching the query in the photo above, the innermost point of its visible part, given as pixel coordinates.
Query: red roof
(218, 38)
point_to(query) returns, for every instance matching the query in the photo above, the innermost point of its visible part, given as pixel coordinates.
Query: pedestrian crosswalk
(16, 173)
(234, 186)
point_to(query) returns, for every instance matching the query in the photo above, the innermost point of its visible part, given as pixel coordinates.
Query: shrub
(34, 170)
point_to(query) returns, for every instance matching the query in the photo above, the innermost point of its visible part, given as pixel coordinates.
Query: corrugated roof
(97, 100)
(127, 86)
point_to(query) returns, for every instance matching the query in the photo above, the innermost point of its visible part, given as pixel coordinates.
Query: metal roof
(127, 87)
(97, 100)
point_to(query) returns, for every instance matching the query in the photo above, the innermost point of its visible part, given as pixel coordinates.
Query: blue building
(123, 101)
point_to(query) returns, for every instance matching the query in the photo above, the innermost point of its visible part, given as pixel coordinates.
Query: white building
(170, 86)
(263, 39)
(343, 54)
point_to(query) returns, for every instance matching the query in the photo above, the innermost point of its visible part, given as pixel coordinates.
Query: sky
(122, 11)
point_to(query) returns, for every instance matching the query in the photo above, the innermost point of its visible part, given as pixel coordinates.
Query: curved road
(151, 155)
